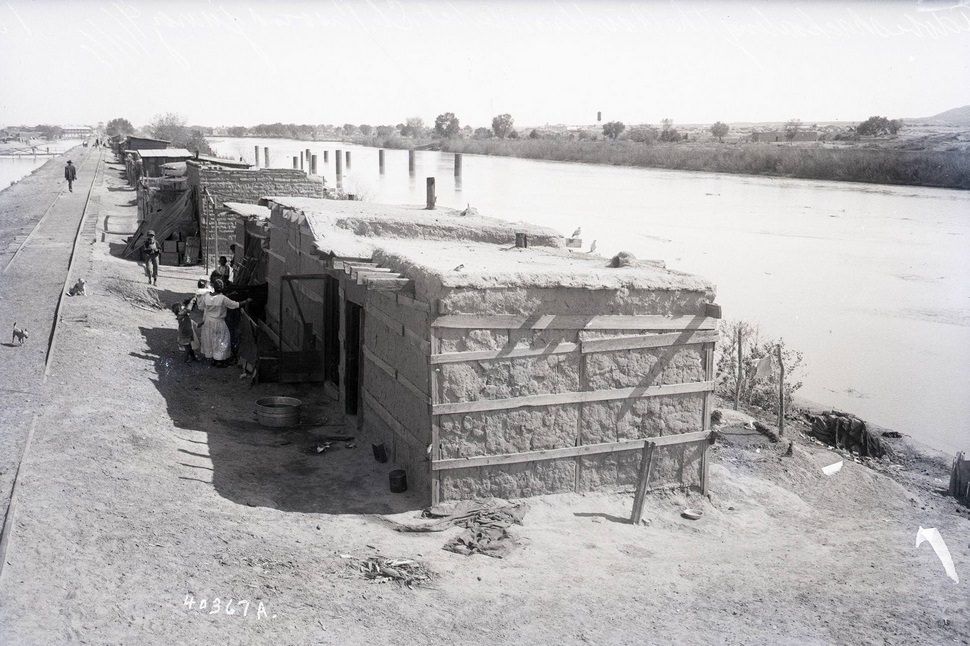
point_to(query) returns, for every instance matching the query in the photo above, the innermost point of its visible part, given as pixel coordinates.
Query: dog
(18, 335)
(78, 289)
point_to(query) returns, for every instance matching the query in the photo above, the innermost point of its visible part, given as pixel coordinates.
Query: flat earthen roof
(475, 251)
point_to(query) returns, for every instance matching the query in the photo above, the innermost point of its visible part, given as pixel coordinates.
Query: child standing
(188, 339)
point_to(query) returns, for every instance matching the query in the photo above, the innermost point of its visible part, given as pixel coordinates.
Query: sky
(543, 62)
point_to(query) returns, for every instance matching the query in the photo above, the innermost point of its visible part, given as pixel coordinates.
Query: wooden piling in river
(431, 196)
(457, 164)
(256, 150)
(411, 162)
(338, 159)
(380, 160)
(295, 163)
(326, 156)
(348, 159)
(313, 164)
(301, 160)
(266, 156)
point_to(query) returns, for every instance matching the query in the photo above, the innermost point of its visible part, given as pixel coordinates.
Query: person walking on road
(70, 174)
(150, 250)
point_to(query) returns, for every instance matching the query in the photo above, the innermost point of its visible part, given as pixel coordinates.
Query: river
(871, 283)
(13, 168)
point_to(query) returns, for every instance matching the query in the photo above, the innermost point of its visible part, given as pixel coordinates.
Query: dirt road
(149, 488)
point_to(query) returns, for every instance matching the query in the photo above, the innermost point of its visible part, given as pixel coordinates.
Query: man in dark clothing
(70, 174)
(150, 250)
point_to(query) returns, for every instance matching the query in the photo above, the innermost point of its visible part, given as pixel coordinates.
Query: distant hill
(954, 117)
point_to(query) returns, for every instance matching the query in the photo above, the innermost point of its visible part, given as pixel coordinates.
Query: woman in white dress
(215, 339)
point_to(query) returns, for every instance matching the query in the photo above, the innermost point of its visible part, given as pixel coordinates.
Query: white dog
(18, 335)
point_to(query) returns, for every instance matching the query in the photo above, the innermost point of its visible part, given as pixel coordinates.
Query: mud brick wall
(242, 185)
(292, 250)
(532, 428)
(396, 381)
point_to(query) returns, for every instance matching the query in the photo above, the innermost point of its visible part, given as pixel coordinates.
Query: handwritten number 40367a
(229, 606)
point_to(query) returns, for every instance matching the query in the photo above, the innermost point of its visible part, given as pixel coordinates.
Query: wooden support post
(340, 168)
(457, 164)
(295, 164)
(431, 199)
(257, 156)
(380, 161)
(313, 164)
(737, 385)
(411, 162)
(434, 348)
(266, 156)
(781, 394)
(646, 459)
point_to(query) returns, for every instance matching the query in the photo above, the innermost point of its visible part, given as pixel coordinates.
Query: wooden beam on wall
(491, 355)
(649, 341)
(637, 392)
(571, 451)
(572, 322)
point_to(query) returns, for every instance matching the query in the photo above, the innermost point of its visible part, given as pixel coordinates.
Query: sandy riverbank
(149, 483)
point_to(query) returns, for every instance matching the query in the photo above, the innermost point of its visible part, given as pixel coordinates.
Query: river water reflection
(871, 283)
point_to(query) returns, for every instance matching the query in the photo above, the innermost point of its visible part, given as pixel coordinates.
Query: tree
(366, 130)
(171, 127)
(534, 134)
(502, 125)
(385, 131)
(349, 129)
(612, 129)
(878, 126)
(643, 135)
(119, 126)
(446, 125)
(719, 130)
(668, 132)
(792, 128)
(50, 132)
(482, 133)
(414, 127)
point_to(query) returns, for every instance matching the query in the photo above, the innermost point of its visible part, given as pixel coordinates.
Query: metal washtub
(278, 411)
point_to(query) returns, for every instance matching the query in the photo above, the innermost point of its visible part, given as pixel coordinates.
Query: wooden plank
(434, 345)
(704, 470)
(395, 326)
(414, 388)
(643, 478)
(712, 310)
(572, 397)
(648, 341)
(570, 451)
(396, 427)
(407, 301)
(383, 283)
(571, 322)
(380, 363)
(417, 341)
(491, 355)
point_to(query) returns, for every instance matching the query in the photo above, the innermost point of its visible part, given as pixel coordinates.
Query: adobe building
(489, 359)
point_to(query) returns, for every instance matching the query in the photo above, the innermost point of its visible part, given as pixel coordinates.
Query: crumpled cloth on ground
(486, 524)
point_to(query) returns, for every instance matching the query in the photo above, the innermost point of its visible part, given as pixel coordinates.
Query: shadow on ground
(254, 465)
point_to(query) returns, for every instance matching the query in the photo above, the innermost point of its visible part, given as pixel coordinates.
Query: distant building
(73, 132)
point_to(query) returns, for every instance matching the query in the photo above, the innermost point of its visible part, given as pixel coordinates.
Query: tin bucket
(399, 481)
(278, 411)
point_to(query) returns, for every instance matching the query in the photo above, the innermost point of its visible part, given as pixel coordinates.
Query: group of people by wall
(203, 326)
